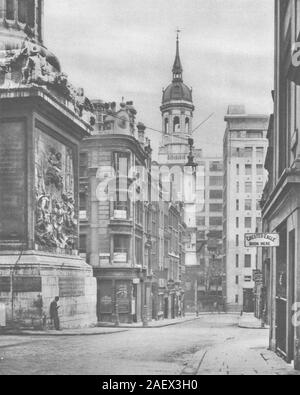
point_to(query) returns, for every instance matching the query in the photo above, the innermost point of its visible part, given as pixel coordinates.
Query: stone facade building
(130, 237)
(245, 147)
(281, 212)
(42, 120)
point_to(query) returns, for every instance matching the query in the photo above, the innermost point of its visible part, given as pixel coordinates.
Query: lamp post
(190, 190)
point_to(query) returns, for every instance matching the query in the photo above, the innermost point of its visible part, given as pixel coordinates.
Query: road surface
(212, 344)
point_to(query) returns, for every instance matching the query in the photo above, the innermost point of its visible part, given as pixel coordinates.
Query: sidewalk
(102, 328)
(64, 332)
(153, 323)
(249, 321)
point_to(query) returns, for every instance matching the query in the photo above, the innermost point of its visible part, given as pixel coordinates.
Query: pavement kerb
(121, 328)
(60, 333)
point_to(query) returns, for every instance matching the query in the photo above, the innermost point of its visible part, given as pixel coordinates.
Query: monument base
(29, 281)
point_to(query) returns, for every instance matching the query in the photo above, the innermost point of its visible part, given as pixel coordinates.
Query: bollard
(117, 318)
(145, 318)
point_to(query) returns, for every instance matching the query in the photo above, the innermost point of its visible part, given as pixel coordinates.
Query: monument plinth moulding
(43, 118)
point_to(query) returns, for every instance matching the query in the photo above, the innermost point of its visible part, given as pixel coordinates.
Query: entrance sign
(261, 240)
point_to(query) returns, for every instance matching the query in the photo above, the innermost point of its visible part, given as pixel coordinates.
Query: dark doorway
(281, 293)
(248, 301)
(166, 308)
(292, 242)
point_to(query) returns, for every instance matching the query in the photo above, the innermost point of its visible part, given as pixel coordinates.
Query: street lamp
(191, 162)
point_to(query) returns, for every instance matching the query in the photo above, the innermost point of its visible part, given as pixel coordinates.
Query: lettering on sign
(262, 240)
(71, 287)
(12, 181)
(4, 284)
(27, 284)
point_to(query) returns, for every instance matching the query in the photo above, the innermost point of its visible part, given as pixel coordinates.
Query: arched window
(176, 125)
(187, 125)
(26, 12)
(10, 11)
(166, 125)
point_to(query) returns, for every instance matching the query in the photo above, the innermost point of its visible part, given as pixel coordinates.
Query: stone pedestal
(39, 148)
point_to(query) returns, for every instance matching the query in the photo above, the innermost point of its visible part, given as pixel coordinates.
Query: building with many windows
(281, 213)
(207, 277)
(128, 233)
(245, 147)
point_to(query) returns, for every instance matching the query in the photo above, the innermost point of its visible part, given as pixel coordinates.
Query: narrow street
(212, 344)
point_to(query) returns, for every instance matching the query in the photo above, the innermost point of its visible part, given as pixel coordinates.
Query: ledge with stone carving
(32, 65)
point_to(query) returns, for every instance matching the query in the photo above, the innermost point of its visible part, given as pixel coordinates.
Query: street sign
(261, 240)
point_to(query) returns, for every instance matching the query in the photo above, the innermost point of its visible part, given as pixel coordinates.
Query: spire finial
(177, 67)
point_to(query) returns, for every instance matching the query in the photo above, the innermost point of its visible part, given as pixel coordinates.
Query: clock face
(122, 122)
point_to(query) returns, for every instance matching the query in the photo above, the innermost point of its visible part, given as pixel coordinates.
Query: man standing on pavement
(54, 313)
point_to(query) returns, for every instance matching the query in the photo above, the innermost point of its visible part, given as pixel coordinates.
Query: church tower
(177, 110)
(177, 113)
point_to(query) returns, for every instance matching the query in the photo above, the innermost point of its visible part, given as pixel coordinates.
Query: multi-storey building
(129, 235)
(115, 214)
(207, 276)
(245, 147)
(281, 213)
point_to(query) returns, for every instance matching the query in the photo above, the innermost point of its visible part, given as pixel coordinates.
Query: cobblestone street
(212, 344)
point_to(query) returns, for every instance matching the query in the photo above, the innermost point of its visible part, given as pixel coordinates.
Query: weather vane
(178, 31)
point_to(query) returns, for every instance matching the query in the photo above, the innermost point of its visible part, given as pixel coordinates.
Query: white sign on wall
(2, 315)
(262, 240)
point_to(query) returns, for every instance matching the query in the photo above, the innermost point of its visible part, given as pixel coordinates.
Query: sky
(117, 48)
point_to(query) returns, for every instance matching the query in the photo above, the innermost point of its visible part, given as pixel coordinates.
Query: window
(215, 166)
(237, 222)
(237, 187)
(217, 194)
(83, 201)
(10, 9)
(253, 134)
(215, 181)
(237, 170)
(237, 279)
(26, 12)
(259, 153)
(215, 221)
(83, 165)
(258, 224)
(248, 222)
(237, 240)
(200, 221)
(248, 187)
(166, 125)
(237, 205)
(248, 204)
(248, 170)
(237, 260)
(259, 187)
(247, 260)
(259, 170)
(121, 164)
(247, 279)
(258, 208)
(176, 125)
(248, 152)
(187, 125)
(121, 248)
(216, 207)
(236, 298)
(82, 244)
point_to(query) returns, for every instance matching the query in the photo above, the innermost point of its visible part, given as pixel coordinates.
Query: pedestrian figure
(54, 313)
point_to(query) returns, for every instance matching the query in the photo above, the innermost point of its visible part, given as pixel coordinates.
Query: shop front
(120, 295)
